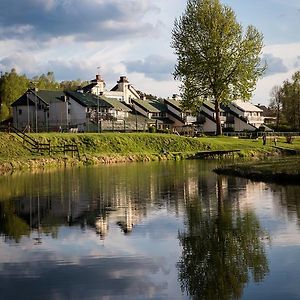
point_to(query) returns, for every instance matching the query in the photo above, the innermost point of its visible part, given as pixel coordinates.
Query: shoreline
(284, 170)
(111, 148)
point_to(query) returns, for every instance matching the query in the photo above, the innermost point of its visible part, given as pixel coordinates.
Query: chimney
(123, 79)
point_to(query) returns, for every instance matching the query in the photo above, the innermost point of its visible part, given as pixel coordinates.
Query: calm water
(169, 230)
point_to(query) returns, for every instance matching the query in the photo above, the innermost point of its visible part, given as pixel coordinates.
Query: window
(20, 111)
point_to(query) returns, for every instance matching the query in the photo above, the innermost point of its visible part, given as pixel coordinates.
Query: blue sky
(73, 38)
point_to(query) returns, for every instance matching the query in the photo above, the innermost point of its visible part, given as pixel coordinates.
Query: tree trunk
(277, 117)
(218, 120)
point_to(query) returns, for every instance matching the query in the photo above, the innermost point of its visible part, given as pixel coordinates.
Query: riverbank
(281, 170)
(121, 147)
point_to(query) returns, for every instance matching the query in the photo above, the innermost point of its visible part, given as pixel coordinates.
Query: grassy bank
(121, 147)
(281, 170)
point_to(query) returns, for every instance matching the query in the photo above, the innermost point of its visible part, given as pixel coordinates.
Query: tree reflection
(288, 200)
(221, 246)
(11, 225)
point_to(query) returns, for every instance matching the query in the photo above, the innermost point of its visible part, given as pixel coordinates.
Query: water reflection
(169, 230)
(221, 245)
(288, 200)
(89, 197)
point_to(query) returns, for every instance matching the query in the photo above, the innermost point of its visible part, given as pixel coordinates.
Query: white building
(52, 110)
(245, 115)
(122, 91)
(41, 110)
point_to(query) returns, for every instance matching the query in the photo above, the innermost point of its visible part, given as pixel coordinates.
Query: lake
(163, 230)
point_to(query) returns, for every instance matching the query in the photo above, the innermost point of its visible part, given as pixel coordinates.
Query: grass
(280, 170)
(108, 147)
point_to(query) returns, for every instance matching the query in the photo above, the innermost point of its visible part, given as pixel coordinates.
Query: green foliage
(45, 82)
(221, 247)
(12, 86)
(72, 85)
(4, 112)
(286, 99)
(214, 59)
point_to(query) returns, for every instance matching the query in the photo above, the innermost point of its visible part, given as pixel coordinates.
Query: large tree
(216, 60)
(276, 102)
(12, 86)
(290, 97)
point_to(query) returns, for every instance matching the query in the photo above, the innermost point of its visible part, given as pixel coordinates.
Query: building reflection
(97, 198)
(45, 202)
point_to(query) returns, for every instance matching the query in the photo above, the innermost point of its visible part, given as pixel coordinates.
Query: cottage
(207, 117)
(244, 116)
(41, 110)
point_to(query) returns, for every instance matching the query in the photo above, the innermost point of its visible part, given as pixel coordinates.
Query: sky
(76, 39)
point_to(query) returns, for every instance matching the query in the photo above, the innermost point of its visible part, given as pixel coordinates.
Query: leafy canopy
(215, 60)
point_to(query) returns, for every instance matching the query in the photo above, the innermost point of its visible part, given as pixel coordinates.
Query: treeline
(285, 102)
(13, 85)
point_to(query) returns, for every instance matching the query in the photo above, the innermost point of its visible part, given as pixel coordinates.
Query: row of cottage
(43, 110)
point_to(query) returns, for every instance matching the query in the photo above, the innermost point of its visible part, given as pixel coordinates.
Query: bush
(152, 129)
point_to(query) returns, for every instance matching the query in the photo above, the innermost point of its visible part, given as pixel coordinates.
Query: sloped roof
(89, 87)
(159, 105)
(174, 103)
(115, 103)
(51, 96)
(91, 100)
(211, 106)
(46, 96)
(246, 106)
(115, 88)
(23, 100)
(146, 105)
(84, 99)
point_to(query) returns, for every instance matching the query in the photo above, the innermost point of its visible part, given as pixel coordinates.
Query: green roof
(87, 99)
(211, 105)
(51, 96)
(175, 103)
(115, 103)
(46, 96)
(91, 100)
(146, 105)
(162, 107)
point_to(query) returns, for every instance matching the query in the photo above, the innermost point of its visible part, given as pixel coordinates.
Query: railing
(261, 133)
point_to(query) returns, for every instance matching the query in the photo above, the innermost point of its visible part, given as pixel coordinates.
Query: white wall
(240, 125)
(209, 126)
(77, 113)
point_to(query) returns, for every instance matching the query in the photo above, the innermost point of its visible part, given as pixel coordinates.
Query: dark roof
(159, 105)
(51, 96)
(146, 105)
(89, 87)
(115, 88)
(23, 100)
(175, 103)
(87, 99)
(91, 100)
(47, 97)
(211, 106)
(115, 103)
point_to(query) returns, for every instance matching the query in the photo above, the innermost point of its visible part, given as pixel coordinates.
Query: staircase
(37, 147)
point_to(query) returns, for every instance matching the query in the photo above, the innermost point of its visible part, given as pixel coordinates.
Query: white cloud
(288, 56)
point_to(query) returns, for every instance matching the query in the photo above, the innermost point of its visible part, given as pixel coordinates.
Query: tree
(291, 101)
(222, 245)
(12, 86)
(287, 100)
(215, 60)
(276, 102)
